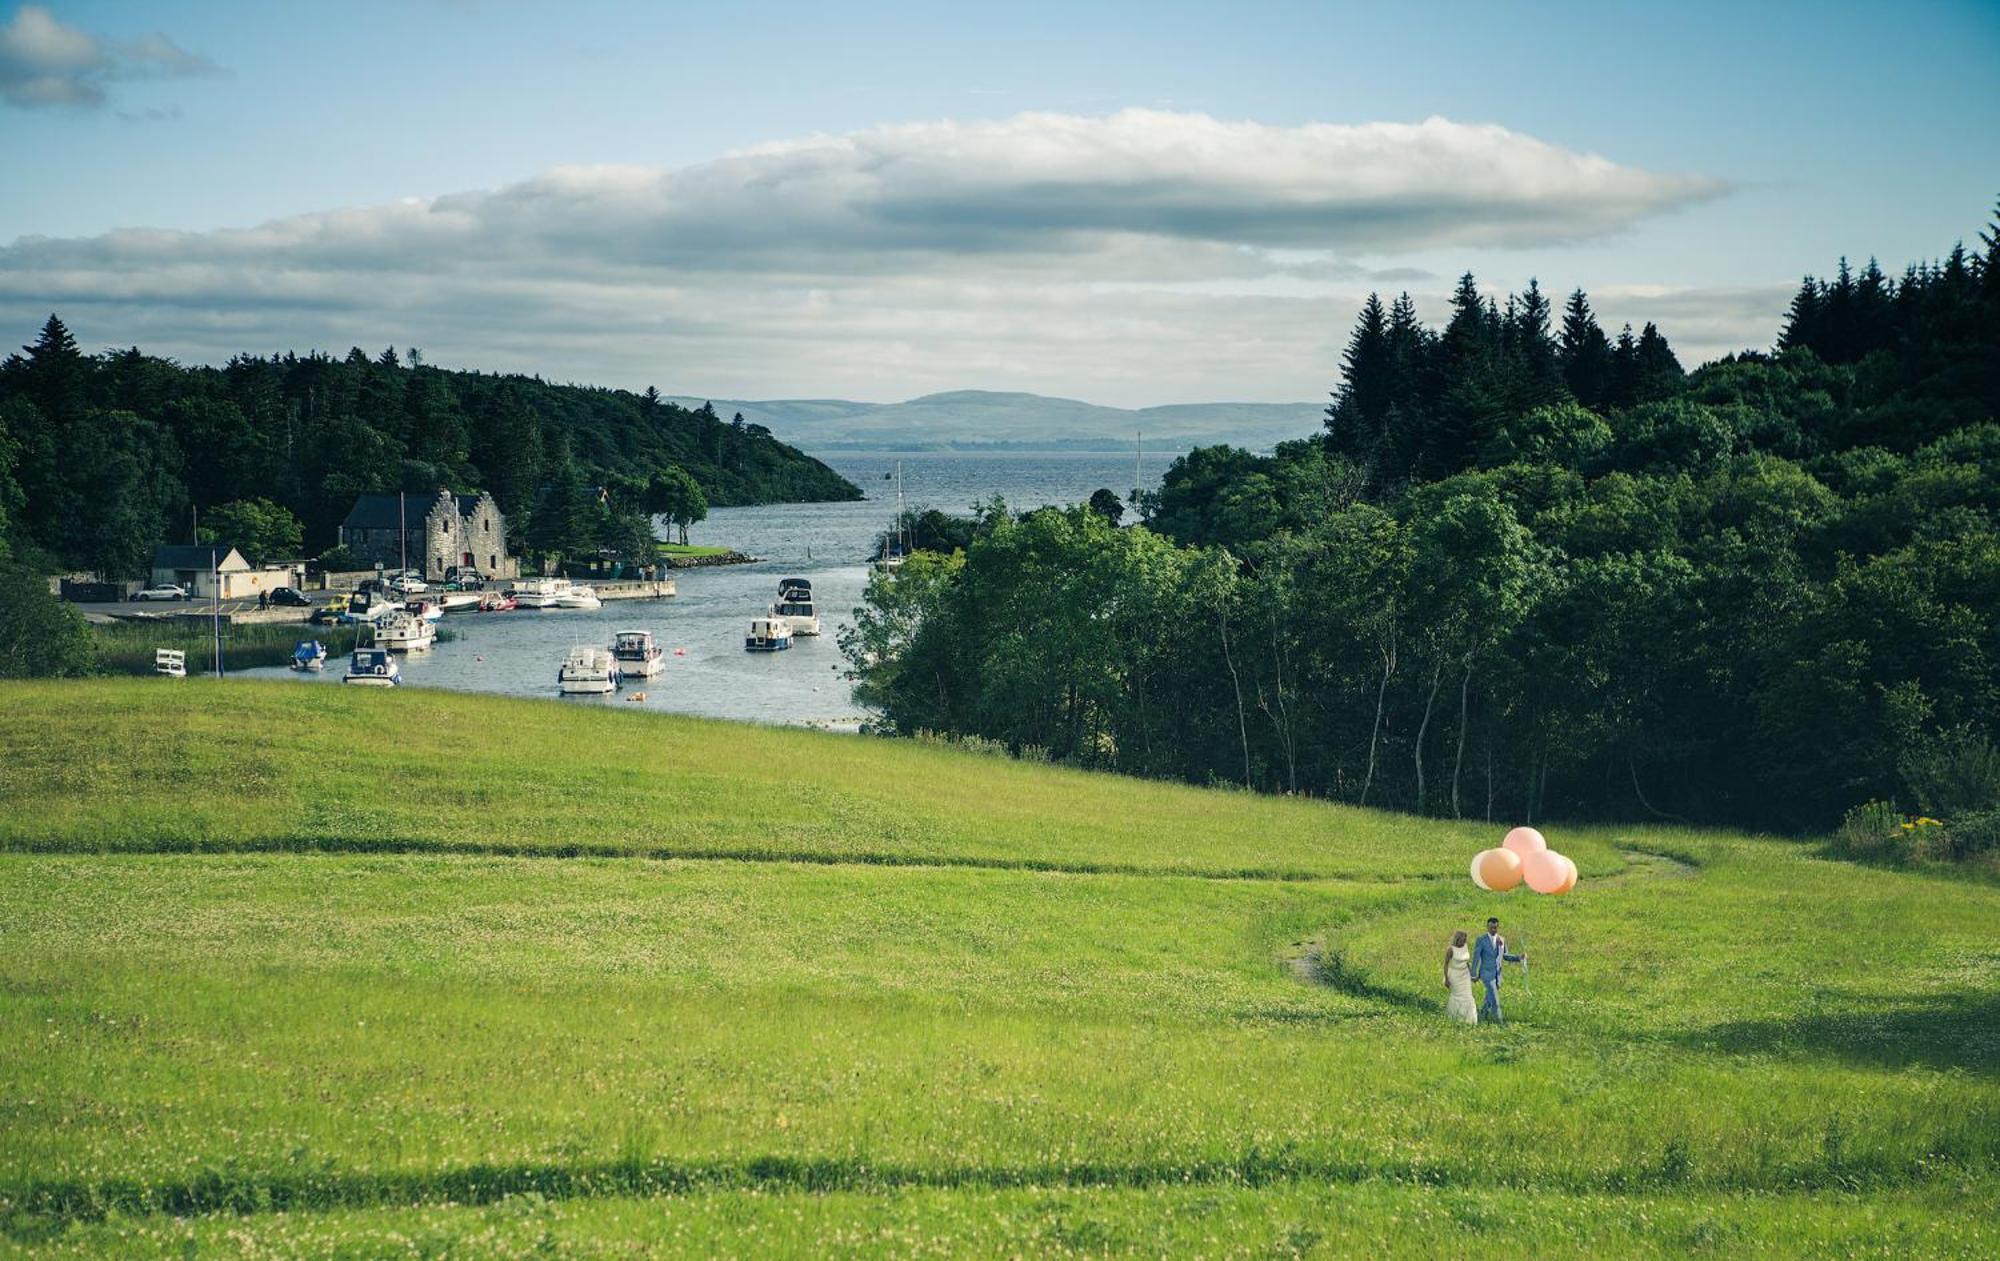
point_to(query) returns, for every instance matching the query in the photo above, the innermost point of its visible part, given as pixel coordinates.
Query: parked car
(290, 598)
(409, 584)
(165, 591)
(327, 615)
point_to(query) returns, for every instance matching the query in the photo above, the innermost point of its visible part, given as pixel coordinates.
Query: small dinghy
(309, 655)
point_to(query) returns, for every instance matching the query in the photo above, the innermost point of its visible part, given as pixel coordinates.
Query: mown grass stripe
(379, 845)
(30, 1209)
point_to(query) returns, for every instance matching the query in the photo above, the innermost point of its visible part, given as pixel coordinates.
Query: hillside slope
(432, 972)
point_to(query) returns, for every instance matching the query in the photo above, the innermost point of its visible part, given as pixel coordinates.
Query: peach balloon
(1544, 871)
(1477, 879)
(1499, 869)
(1525, 841)
(1571, 882)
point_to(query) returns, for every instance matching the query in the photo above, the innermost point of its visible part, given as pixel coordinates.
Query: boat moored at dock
(539, 593)
(309, 655)
(579, 598)
(429, 610)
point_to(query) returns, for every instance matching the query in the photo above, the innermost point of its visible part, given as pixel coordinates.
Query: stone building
(450, 532)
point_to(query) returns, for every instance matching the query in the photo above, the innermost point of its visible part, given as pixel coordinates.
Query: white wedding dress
(1458, 979)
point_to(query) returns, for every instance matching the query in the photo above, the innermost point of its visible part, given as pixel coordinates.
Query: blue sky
(1749, 144)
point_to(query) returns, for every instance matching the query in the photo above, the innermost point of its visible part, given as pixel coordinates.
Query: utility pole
(403, 521)
(215, 607)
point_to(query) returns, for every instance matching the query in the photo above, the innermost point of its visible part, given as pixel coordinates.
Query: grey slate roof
(191, 556)
(380, 512)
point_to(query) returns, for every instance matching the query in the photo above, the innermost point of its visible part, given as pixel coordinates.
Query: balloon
(1497, 870)
(1525, 841)
(1545, 871)
(1571, 882)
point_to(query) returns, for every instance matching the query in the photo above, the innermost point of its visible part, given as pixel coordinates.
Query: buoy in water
(636, 696)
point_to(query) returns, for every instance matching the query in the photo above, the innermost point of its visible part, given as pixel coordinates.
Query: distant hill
(989, 419)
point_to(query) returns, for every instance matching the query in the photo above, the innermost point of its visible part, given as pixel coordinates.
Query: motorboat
(497, 602)
(579, 598)
(589, 671)
(795, 605)
(538, 593)
(369, 606)
(373, 667)
(637, 654)
(768, 634)
(404, 632)
(429, 610)
(459, 601)
(309, 655)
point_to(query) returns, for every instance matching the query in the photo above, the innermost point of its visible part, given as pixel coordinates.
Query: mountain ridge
(973, 419)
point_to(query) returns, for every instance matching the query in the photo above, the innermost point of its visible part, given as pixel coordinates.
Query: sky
(1133, 204)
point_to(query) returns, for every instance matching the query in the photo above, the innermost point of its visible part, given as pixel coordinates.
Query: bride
(1458, 981)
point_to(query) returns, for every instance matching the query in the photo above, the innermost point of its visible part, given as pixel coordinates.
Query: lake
(517, 653)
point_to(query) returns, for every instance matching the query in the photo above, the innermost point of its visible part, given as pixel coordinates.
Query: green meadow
(331, 972)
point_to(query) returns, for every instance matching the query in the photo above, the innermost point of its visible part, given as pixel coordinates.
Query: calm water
(517, 653)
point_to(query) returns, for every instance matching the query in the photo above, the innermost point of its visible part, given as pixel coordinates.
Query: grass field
(295, 971)
(128, 647)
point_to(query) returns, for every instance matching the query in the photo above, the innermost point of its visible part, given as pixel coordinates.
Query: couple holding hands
(1482, 960)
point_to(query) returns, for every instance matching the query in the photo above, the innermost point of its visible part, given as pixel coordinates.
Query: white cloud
(46, 62)
(1145, 254)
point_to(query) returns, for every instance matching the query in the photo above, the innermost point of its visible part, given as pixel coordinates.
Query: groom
(1488, 953)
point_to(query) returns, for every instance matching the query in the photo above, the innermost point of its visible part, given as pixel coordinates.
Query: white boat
(579, 598)
(404, 632)
(171, 662)
(539, 593)
(368, 606)
(589, 671)
(637, 654)
(768, 634)
(795, 605)
(459, 601)
(373, 667)
(429, 610)
(309, 655)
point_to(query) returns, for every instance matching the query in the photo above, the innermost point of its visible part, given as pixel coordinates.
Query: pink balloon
(1571, 882)
(1544, 871)
(1525, 841)
(1496, 870)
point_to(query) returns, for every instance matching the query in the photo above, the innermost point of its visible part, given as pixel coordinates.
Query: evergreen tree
(1361, 406)
(1624, 389)
(1658, 373)
(1805, 321)
(1585, 354)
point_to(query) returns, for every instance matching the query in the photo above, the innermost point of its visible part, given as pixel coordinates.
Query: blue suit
(1488, 953)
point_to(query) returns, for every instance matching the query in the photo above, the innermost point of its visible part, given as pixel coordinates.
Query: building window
(492, 561)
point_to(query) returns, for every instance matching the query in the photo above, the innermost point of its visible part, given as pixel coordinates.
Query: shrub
(40, 636)
(1875, 829)
(1953, 773)
(1976, 834)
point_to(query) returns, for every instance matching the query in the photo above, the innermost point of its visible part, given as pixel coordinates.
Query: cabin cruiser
(459, 601)
(589, 671)
(373, 667)
(795, 605)
(637, 654)
(404, 632)
(369, 606)
(309, 655)
(429, 610)
(497, 602)
(539, 593)
(579, 598)
(768, 634)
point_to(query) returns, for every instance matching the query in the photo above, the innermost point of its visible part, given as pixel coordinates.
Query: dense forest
(1529, 569)
(103, 457)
